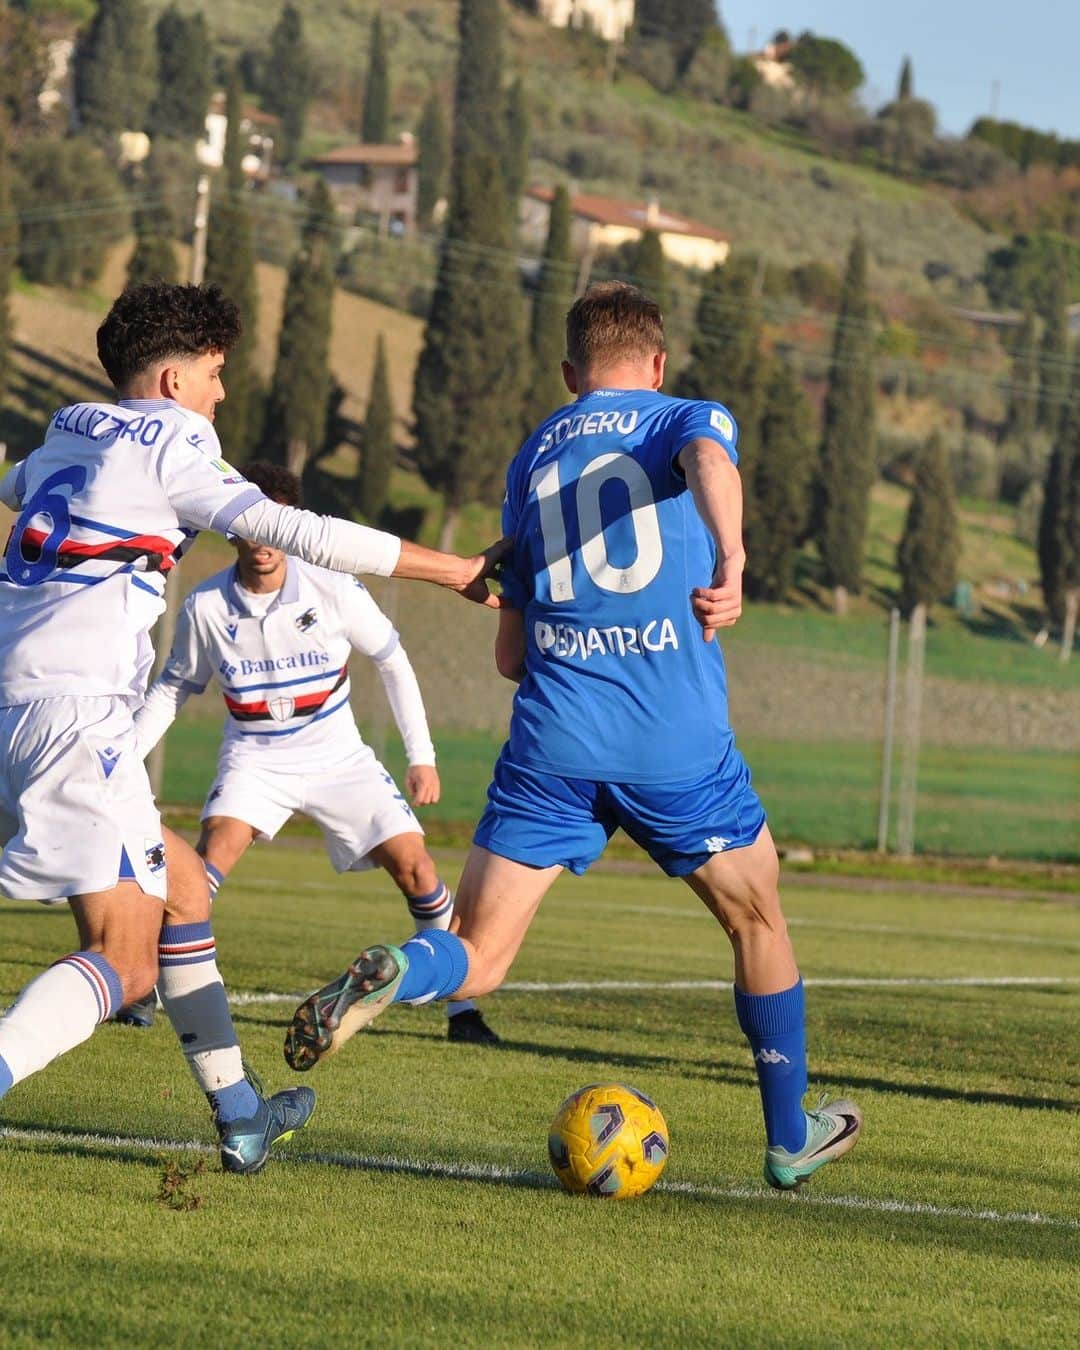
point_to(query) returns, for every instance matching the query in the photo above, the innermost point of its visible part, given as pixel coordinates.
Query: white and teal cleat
(831, 1131)
(326, 1019)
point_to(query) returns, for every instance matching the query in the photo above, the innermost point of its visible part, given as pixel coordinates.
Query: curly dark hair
(276, 481)
(156, 321)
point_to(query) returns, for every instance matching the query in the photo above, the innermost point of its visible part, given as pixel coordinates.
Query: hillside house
(381, 180)
(609, 19)
(257, 126)
(604, 223)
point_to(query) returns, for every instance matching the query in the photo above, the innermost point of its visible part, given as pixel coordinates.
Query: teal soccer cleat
(245, 1144)
(326, 1019)
(831, 1131)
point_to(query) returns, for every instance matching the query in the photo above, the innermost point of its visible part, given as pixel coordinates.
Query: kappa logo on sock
(772, 1057)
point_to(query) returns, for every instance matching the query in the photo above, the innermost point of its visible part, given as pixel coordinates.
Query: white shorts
(355, 802)
(76, 810)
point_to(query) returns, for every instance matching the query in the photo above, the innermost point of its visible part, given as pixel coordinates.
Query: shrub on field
(896, 452)
(975, 465)
(1028, 513)
(1022, 462)
(816, 283)
(70, 202)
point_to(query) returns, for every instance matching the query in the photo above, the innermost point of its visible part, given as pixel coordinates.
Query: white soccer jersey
(283, 669)
(106, 506)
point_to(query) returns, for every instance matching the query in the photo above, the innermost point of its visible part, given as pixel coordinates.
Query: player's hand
(478, 569)
(422, 784)
(719, 605)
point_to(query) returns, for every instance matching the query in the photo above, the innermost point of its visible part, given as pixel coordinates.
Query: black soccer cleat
(469, 1028)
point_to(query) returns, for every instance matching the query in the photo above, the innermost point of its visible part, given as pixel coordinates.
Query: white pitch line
(542, 1181)
(244, 999)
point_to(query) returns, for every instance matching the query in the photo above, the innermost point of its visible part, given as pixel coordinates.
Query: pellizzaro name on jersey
(562, 640)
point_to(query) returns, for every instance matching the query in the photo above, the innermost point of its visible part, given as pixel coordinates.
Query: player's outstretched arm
(344, 546)
(716, 488)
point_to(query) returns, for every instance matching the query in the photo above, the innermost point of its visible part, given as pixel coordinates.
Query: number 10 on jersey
(585, 503)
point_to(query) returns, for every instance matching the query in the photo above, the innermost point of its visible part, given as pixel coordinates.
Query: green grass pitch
(417, 1209)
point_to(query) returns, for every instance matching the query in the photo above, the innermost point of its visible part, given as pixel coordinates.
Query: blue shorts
(544, 820)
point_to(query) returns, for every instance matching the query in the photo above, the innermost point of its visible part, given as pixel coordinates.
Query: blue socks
(775, 1026)
(438, 964)
(238, 1101)
(6, 1078)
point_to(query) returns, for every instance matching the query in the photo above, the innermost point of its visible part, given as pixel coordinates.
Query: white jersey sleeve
(11, 488)
(157, 714)
(187, 671)
(406, 704)
(372, 634)
(189, 666)
(326, 541)
(205, 491)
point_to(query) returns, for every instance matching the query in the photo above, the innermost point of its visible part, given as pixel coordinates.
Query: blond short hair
(613, 321)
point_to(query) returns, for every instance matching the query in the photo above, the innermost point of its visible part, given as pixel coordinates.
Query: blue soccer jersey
(620, 685)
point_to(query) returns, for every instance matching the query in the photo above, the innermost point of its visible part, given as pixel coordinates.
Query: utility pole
(887, 738)
(165, 628)
(909, 768)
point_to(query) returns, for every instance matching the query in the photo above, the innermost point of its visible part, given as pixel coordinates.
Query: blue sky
(959, 49)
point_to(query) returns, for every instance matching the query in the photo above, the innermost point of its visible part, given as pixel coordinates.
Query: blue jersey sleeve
(695, 420)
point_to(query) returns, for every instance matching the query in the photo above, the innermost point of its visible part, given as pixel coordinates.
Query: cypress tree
(726, 364)
(682, 24)
(1022, 412)
(185, 76)
(648, 268)
(1059, 525)
(114, 68)
(905, 88)
(516, 145)
(1054, 357)
(296, 424)
(9, 239)
(780, 486)
(434, 154)
(375, 119)
(847, 462)
(929, 548)
(153, 258)
(378, 453)
(467, 393)
(547, 336)
(288, 83)
(230, 262)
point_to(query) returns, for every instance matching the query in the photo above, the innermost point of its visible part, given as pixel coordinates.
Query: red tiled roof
(251, 114)
(632, 215)
(400, 154)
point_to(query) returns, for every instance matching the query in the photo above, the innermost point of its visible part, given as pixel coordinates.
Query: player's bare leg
(223, 841)
(431, 903)
(60, 1009)
(741, 888)
(496, 901)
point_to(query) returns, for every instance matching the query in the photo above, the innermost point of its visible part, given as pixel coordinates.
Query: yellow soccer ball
(608, 1139)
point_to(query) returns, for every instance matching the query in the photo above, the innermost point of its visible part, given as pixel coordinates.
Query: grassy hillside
(773, 193)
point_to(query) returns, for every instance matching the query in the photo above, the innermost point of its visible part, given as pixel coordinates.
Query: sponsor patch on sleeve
(721, 422)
